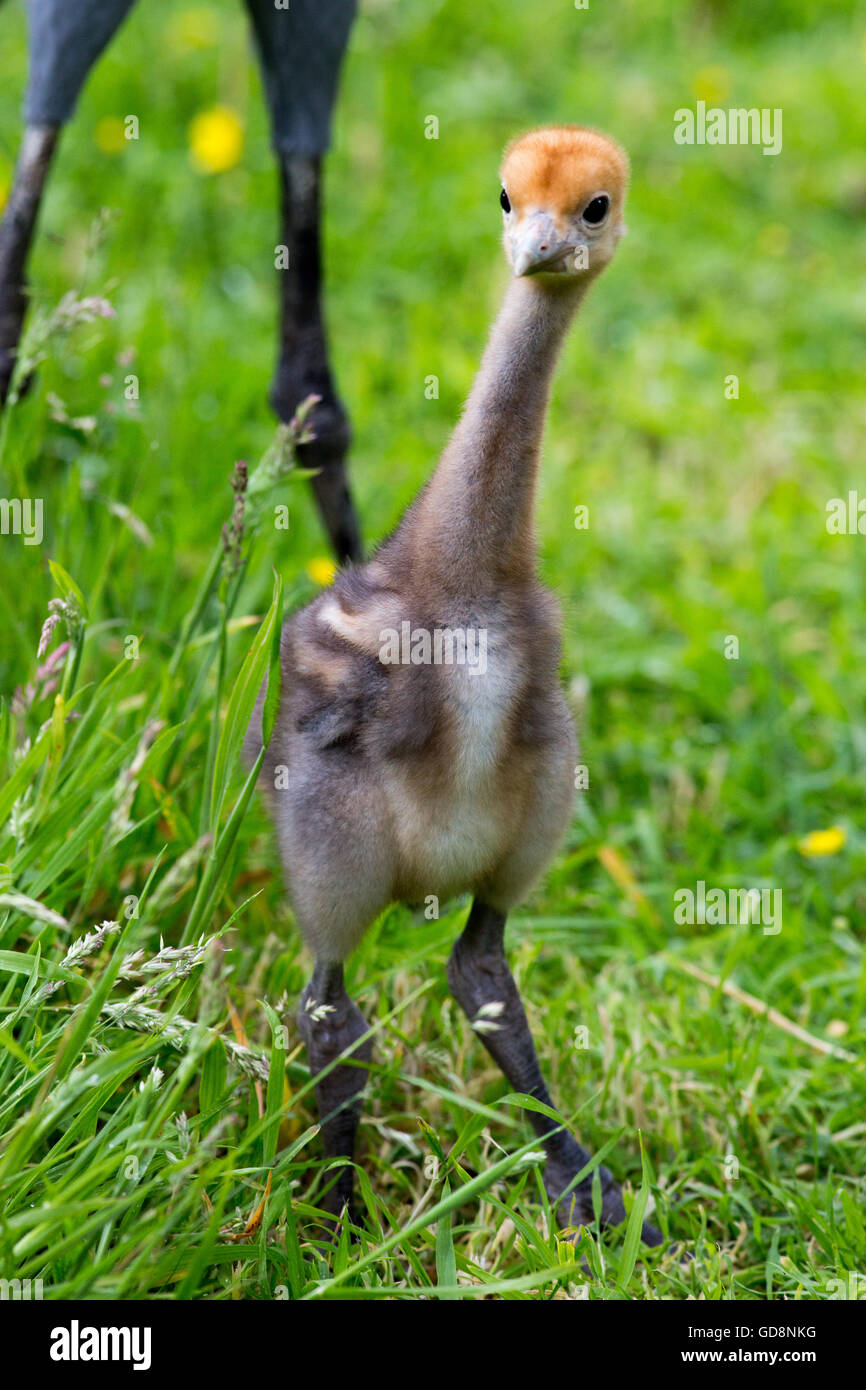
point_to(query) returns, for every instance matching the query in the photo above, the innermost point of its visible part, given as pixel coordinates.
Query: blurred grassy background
(707, 519)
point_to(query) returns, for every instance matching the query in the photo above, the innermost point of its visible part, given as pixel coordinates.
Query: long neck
(473, 524)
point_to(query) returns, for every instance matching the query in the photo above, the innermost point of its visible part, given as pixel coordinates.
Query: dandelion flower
(322, 570)
(110, 135)
(216, 140)
(822, 842)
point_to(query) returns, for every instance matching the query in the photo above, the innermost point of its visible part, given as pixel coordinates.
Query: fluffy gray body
(393, 782)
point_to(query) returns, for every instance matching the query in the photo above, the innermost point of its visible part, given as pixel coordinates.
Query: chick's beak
(537, 245)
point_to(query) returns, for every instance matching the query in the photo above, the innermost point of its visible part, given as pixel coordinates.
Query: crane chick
(415, 767)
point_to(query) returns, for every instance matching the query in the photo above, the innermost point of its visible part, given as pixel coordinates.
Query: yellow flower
(321, 570)
(110, 135)
(712, 84)
(216, 140)
(197, 28)
(821, 842)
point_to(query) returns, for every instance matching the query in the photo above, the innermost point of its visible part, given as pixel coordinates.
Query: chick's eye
(596, 211)
(504, 202)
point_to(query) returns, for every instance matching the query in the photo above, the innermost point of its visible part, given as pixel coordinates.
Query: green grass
(145, 1103)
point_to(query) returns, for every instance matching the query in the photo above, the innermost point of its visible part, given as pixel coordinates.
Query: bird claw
(575, 1209)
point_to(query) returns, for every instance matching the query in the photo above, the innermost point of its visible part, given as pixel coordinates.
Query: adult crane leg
(65, 37)
(301, 50)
